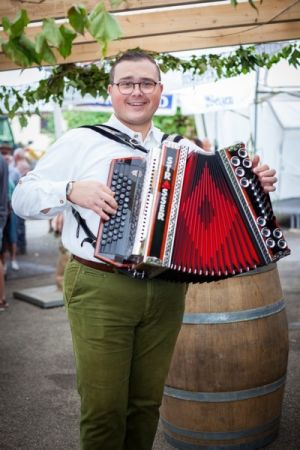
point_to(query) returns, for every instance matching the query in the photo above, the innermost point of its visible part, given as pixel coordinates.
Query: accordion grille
(211, 235)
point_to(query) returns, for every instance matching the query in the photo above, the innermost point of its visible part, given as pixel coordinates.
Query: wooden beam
(206, 39)
(38, 9)
(197, 19)
(206, 18)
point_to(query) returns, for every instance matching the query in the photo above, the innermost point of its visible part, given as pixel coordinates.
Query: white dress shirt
(80, 154)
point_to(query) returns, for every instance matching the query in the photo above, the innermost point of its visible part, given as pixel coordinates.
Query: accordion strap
(116, 135)
(171, 137)
(123, 138)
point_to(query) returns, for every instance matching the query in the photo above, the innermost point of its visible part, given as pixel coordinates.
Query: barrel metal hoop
(234, 316)
(255, 445)
(224, 435)
(258, 270)
(213, 397)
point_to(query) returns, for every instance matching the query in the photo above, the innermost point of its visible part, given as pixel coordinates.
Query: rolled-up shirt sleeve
(33, 195)
(44, 188)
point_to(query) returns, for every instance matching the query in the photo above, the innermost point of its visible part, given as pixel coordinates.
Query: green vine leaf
(21, 49)
(23, 120)
(115, 3)
(68, 37)
(16, 28)
(251, 3)
(294, 58)
(103, 26)
(43, 50)
(77, 16)
(52, 33)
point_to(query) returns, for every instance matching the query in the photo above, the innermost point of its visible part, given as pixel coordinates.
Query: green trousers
(124, 332)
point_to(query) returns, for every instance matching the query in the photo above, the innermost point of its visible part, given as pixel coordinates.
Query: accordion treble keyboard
(118, 233)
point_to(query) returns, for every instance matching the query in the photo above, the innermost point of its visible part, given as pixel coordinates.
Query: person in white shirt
(124, 330)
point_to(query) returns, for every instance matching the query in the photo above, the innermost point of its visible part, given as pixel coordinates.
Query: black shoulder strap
(123, 138)
(171, 137)
(177, 138)
(116, 135)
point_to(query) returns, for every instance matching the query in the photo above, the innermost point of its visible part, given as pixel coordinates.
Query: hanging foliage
(251, 2)
(101, 25)
(93, 78)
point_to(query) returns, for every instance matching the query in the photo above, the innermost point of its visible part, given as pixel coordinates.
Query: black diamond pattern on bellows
(206, 212)
(211, 234)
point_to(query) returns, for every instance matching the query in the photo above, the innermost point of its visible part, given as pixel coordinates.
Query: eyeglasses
(146, 87)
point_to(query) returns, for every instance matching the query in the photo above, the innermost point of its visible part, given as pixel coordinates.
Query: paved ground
(39, 405)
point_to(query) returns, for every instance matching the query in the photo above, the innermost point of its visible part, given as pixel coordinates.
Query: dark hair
(197, 141)
(132, 55)
(6, 148)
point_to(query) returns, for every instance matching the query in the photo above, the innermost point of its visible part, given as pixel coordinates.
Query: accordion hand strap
(91, 238)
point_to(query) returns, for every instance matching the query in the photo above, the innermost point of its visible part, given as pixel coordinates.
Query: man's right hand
(95, 196)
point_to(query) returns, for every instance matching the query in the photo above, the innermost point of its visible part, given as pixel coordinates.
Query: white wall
(280, 148)
(277, 146)
(226, 127)
(32, 132)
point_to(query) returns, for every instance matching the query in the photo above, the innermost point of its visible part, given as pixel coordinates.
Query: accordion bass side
(189, 217)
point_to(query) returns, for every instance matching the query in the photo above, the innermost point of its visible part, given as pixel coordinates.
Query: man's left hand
(265, 174)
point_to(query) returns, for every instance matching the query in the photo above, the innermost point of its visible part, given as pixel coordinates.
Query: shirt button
(20, 181)
(61, 202)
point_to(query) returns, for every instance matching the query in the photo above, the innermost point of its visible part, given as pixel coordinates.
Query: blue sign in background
(166, 102)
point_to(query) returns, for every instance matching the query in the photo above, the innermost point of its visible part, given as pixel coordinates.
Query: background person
(9, 245)
(203, 143)
(63, 255)
(3, 218)
(124, 330)
(22, 166)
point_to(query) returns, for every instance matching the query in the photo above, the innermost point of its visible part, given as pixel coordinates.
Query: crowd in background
(12, 228)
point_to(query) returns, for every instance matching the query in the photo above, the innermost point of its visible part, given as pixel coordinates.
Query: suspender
(122, 138)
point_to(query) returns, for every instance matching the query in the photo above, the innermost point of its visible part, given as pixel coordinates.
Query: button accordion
(189, 217)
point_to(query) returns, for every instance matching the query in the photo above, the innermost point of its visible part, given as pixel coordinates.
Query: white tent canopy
(262, 110)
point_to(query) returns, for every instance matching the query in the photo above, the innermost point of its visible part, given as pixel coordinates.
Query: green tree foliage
(178, 123)
(76, 119)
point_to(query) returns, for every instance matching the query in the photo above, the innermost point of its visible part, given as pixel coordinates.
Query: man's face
(6, 152)
(136, 109)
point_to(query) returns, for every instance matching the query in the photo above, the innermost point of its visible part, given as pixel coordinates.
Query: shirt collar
(154, 133)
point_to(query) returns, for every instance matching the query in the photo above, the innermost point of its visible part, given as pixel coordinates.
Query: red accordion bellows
(211, 235)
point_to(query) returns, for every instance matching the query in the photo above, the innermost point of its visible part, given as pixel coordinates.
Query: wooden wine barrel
(226, 382)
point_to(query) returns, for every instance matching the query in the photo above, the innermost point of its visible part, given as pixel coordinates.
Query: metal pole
(256, 112)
